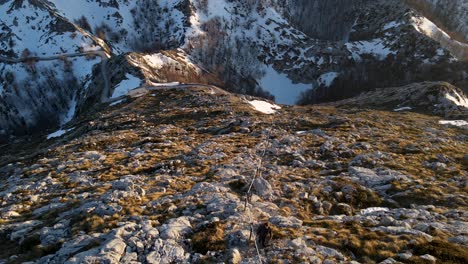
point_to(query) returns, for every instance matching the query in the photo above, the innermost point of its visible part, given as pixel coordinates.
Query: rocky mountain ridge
(162, 176)
(448, 14)
(440, 99)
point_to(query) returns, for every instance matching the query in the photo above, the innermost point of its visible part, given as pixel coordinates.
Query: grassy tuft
(209, 238)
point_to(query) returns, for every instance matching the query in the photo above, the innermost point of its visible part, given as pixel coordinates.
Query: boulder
(263, 188)
(166, 252)
(175, 228)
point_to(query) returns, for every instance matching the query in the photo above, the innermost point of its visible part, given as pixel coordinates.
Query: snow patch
(116, 102)
(375, 47)
(158, 60)
(125, 86)
(327, 79)
(283, 88)
(401, 109)
(264, 107)
(59, 133)
(169, 84)
(71, 112)
(458, 123)
(390, 25)
(440, 52)
(457, 99)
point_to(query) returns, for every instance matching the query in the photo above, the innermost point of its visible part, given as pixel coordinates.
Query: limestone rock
(263, 188)
(288, 222)
(166, 252)
(176, 228)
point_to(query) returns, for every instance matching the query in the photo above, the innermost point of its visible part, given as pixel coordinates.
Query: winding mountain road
(100, 53)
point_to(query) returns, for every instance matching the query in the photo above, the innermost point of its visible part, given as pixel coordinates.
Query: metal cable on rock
(257, 173)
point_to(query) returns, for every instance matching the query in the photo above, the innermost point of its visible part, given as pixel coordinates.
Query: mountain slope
(121, 142)
(44, 62)
(436, 98)
(141, 25)
(31, 28)
(164, 178)
(451, 14)
(265, 48)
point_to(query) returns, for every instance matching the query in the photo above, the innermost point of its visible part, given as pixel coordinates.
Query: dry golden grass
(285, 233)
(93, 223)
(443, 251)
(352, 237)
(209, 238)
(285, 211)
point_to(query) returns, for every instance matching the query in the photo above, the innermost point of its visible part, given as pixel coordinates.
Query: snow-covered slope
(41, 66)
(30, 28)
(41, 94)
(458, 49)
(294, 50)
(140, 25)
(451, 14)
(377, 48)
